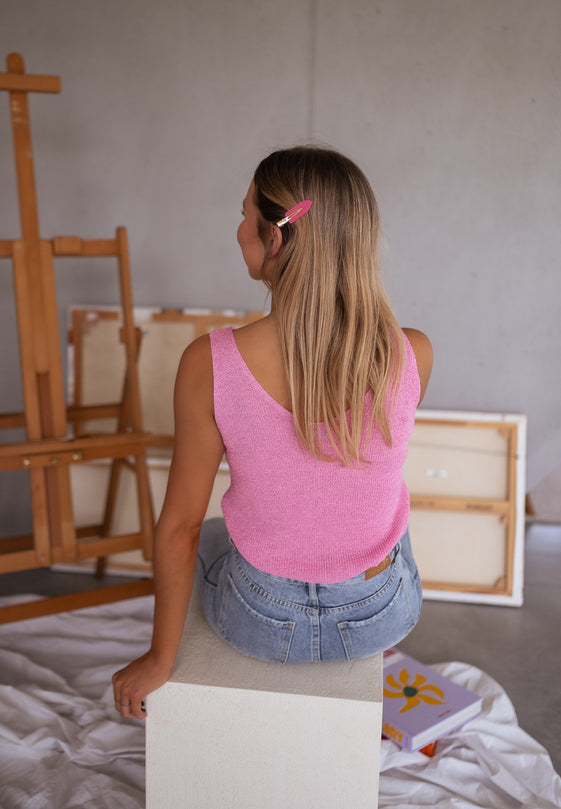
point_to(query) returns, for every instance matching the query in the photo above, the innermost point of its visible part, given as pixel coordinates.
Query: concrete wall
(452, 107)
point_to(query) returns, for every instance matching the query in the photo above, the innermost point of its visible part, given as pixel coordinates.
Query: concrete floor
(519, 647)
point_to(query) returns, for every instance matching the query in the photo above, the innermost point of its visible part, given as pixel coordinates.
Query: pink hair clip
(296, 212)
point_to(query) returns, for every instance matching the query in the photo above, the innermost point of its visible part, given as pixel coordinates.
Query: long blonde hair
(339, 336)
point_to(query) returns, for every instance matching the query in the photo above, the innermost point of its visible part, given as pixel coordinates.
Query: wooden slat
(74, 246)
(505, 426)
(29, 83)
(74, 413)
(511, 527)
(6, 248)
(24, 542)
(16, 80)
(89, 549)
(25, 334)
(27, 197)
(93, 412)
(499, 588)
(18, 560)
(40, 511)
(145, 506)
(67, 245)
(54, 393)
(161, 442)
(77, 340)
(131, 348)
(111, 498)
(462, 504)
(83, 531)
(12, 421)
(203, 321)
(75, 601)
(64, 513)
(119, 441)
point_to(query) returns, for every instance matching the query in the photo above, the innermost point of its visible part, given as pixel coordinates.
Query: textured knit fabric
(289, 513)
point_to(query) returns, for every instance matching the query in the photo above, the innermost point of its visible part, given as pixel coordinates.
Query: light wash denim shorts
(289, 621)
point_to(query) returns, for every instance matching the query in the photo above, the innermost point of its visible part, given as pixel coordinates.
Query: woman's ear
(276, 241)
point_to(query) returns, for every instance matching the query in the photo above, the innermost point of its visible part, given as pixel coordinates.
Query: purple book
(420, 705)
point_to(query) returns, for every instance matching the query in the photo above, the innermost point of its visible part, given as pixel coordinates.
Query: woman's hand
(132, 684)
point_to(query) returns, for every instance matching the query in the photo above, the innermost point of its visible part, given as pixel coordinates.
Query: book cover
(420, 705)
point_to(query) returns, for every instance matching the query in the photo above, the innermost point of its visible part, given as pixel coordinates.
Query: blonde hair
(339, 336)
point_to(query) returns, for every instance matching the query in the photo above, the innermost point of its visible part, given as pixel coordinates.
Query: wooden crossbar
(17, 81)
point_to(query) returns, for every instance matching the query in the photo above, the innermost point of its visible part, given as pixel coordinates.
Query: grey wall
(452, 107)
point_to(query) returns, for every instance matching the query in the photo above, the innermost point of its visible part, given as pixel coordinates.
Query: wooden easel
(49, 451)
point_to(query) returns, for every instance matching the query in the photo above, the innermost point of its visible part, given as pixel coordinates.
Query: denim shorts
(289, 621)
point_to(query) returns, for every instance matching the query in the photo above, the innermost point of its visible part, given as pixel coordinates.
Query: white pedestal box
(230, 732)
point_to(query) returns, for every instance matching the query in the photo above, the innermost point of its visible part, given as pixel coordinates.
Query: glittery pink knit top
(290, 514)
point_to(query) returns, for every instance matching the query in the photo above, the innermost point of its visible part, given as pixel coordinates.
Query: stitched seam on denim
(347, 645)
(411, 612)
(365, 621)
(206, 571)
(344, 627)
(364, 602)
(274, 622)
(201, 560)
(256, 588)
(286, 627)
(297, 582)
(315, 638)
(215, 562)
(208, 583)
(281, 579)
(281, 602)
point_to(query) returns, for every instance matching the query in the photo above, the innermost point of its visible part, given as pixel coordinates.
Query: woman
(313, 406)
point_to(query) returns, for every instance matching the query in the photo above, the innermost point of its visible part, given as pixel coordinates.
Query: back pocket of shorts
(249, 631)
(379, 632)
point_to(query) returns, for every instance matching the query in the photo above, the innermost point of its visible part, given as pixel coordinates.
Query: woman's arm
(198, 449)
(422, 348)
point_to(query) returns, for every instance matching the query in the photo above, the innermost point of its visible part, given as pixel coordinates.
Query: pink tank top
(289, 513)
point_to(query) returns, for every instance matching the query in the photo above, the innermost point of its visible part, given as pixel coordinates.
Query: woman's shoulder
(418, 339)
(196, 360)
(424, 356)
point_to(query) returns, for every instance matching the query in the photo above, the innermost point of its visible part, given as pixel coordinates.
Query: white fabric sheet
(63, 745)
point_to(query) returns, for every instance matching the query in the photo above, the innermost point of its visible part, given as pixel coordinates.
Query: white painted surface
(230, 732)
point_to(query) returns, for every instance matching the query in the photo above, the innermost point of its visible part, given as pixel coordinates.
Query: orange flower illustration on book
(414, 693)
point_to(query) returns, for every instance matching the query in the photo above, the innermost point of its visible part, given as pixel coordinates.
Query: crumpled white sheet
(63, 746)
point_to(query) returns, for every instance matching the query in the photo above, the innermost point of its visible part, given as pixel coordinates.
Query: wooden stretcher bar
(75, 601)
